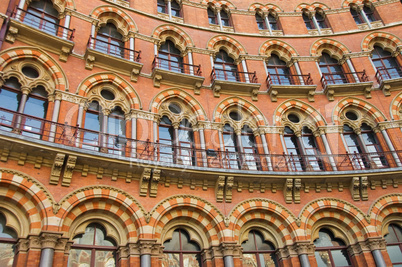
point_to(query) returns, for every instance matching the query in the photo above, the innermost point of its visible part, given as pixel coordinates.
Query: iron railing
(166, 154)
(114, 50)
(233, 75)
(343, 77)
(175, 66)
(43, 24)
(388, 73)
(289, 79)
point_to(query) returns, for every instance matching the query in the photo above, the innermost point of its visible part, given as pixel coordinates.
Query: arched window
(93, 126)
(109, 41)
(232, 158)
(175, 8)
(330, 251)
(170, 57)
(176, 145)
(278, 72)
(310, 150)
(394, 244)
(225, 67)
(294, 150)
(320, 18)
(258, 252)
(33, 106)
(42, 15)
(386, 65)
(181, 250)
(355, 12)
(116, 129)
(8, 241)
(93, 248)
(162, 6)
(212, 17)
(260, 21)
(331, 70)
(308, 20)
(273, 22)
(251, 160)
(368, 9)
(225, 18)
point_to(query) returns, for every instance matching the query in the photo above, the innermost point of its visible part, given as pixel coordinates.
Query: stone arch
(346, 3)
(31, 197)
(61, 5)
(334, 48)
(194, 105)
(265, 8)
(220, 3)
(256, 115)
(194, 209)
(396, 107)
(312, 113)
(230, 45)
(180, 38)
(277, 218)
(111, 78)
(311, 7)
(56, 73)
(382, 208)
(111, 201)
(371, 110)
(344, 214)
(123, 22)
(387, 41)
(283, 49)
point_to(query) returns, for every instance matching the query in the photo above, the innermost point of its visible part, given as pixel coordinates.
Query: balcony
(112, 56)
(346, 83)
(389, 79)
(235, 83)
(169, 71)
(16, 127)
(287, 85)
(37, 31)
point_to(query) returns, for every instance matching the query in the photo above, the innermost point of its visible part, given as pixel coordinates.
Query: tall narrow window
(42, 15)
(170, 57)
(355, 12)
(311, 151)
(116, 129)
(330, 251)
(212, 18)
(386, 65)
(93, 126)
(185, 153)
(225, 18)
(93, 248)
(308, 21)
(232, 157)
(176, 9)
(250, 158)
(394, 244)
(181, 251)
(109, 41)
(225, 68)
(166, 140)
(10, 98)
(320, 17)
(35, 112)
(260, 22)
(279, 73)
(294, 150)
(162, 7)
(373, 146)
(258, 252)
(8, 241)
(273, 22)
(331, 70)
(368, 9)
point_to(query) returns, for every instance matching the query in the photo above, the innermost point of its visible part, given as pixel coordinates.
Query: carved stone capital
(376, 243)
(230, 249)
(303, 248)
(148, 246)
(49, 239)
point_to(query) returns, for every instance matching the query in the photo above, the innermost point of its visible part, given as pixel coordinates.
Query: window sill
(386, 86)
(325, 31)
(274, 33)
(289, 91)
(166, 16)
(224, 28)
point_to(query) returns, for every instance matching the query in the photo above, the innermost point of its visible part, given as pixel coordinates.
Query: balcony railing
(166, 154)
(289, 79)
(343, 77)
(388, 73)
(43, 24)
(175, 66)
(114, 49)
(233, 76)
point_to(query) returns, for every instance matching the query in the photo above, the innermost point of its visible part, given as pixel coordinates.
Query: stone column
(104, 135)
(316, 23)
(265, 147)
(352, 69)
(190, 61)
(303, 250)
(365, 17)
(83, 107)
(48, 241)
(218, 14)
(93, 30)
(298, 71)
(25, 91)
(66, 25)
(20, 7)
(131, 40)
(169, 6)
(202, 144)
(229, 250)
(376, 245)
(147, 248)
(133, 134)
(267, 23)
(390, 146)
(244, 65)
(55, 116)
(327, 149)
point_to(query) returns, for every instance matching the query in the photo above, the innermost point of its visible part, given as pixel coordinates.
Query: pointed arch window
(35, 112)
(42, 15)
(258, 252)
(10, 101)
(330, 251)
(320, 18)
(181, 251)
(109, 41)
(170, 57)
(308, 20)
(162, 6)
(273, 22)
(212, 17)
(225, 67)
(225, 17)
(387, 66)
(8, 242)
(93, 248)
(394, 244)
(294, 150)
(368, 9)
(278, 72)
(355, 12)
(331, 71)
(260, 21)
(116, 129)
(93, 126)
(175, 8)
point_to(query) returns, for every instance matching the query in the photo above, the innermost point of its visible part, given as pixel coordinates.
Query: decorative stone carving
(228, 189)
(22, 158)
(49, 239)
(4, 154)
(156, 176)
(11, 34)
(363, 188)
(144, 181)
(296, 190)
(355, 188)
(157, 80)
(288, 190)
(64, 53)
(56, 168)
(89, 62)
(219, 188)
(68, 170)
(135, 72)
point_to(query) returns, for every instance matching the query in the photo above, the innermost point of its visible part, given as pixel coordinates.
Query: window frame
(258, 252)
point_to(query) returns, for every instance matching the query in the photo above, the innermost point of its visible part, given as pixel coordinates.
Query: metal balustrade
(175, 66)
(343, 78)
(288, 79)
(233, 75)
(155, 152)
(114, 49)
(383, 73)
(43, 24)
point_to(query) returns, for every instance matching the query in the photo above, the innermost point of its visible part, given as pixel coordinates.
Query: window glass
(181, 251)
(7, 243)
(162, 6)
(42, 15)
(260, 22)
(258, 252)
(225, 18)
(308, 21)
(272, 22)
(175, 8)
(330, 251)
(211, 16)
(394, 244)
(356, 14)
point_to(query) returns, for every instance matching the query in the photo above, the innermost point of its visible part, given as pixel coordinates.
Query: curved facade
(200, 133)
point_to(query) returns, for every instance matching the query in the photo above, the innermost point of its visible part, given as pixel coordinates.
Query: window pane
(268, 260)
(174, 243)
(191, 260)
(340, 257)
(395, 254)
(324, 240)
(79, 257)
(7, 254)
(322, 258)
(249, 260)
(171, 260)
(105, 259)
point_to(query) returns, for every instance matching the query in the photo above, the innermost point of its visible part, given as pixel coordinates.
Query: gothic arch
(346, 3)
(334, 48)
(220, 3)
(195, 210)
(303, 107)
(107, 200)
(57, 75)
(230, 45)
(119, 86)
(31, 198)
(396, 107)
(311, 7)
(180, 38)
(265, 8)
(283, 49)
(382, 208)
(387, 41)
(170, 93)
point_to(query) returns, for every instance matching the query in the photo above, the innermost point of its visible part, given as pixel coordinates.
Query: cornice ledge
(3, 16)
(390, 124)
(84, 17)
(70, 97)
